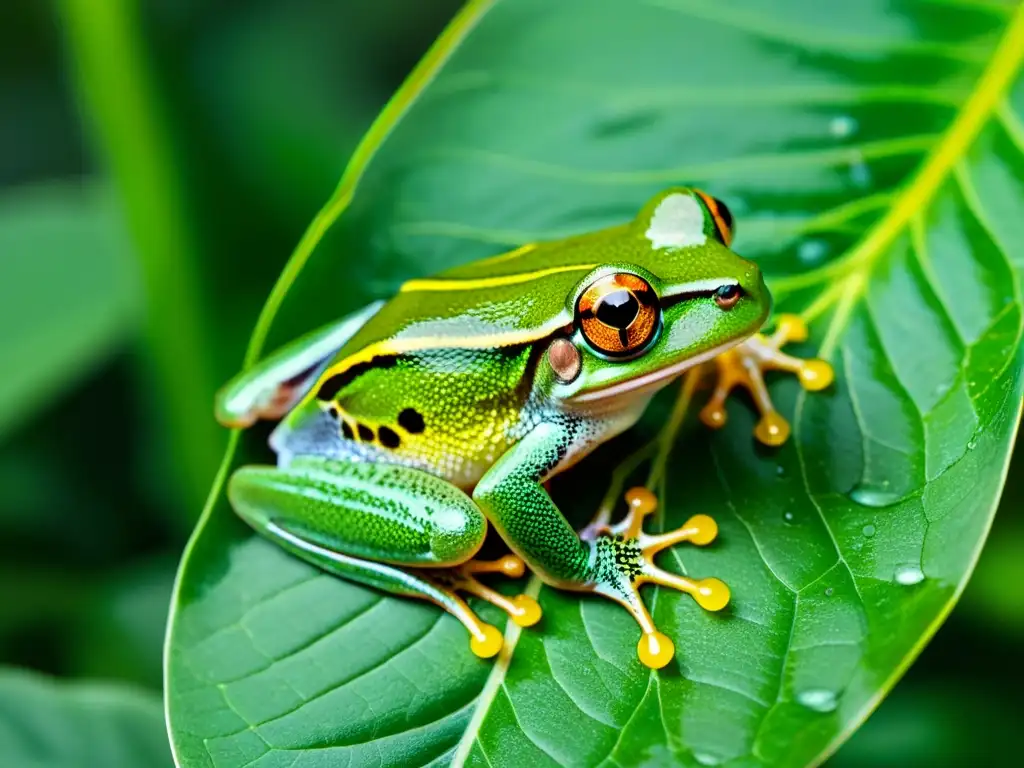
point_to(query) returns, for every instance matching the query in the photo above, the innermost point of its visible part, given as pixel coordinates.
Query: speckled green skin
(447, 389)
(388, 512)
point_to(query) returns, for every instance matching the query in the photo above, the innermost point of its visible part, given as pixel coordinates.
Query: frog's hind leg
(627, 555)
(743, 366)
(394, 528)
(522, 609)
(273, 386)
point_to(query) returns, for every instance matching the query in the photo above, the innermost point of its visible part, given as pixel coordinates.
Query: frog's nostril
(753, 283)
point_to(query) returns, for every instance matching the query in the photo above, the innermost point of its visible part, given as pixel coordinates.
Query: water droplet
(860, 174)
(780, 471)
(705, 759)
(842, 126)
(812, 251)
(829, 591)
(788, 517)
(817, 699)
(908, 575)
(972, 444)
(868, 531)
(868, 496)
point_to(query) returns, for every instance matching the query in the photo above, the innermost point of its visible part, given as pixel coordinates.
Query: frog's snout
(753, 285)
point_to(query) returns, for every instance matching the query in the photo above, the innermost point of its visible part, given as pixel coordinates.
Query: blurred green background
(122, 309)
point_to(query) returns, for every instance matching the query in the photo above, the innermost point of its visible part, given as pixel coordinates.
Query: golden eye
(618, 314)
(722, 217)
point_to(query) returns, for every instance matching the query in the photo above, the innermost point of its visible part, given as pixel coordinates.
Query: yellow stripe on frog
(470, 284)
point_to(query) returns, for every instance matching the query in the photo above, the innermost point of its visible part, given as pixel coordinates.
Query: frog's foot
(744, 366)
(624, 560)
(485, 639)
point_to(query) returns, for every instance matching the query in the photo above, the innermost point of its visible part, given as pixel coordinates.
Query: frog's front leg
(395, 528)
(744, 365)
(614, 563)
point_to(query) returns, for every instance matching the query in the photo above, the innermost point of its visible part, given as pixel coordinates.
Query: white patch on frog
(678, 221)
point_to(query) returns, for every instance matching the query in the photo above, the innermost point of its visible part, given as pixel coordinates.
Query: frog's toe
(789, 328)
(710, 594)
(655, 649)
(522, 609)
(619, 583)
(772, 429)
(815, 375)
(509, 565)
(744, 367)
(699, 529)
(525, 611)
(624, 557)
(641, 503)
(486, 641)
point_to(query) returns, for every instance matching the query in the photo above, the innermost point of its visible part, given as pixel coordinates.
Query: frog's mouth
(654, 380)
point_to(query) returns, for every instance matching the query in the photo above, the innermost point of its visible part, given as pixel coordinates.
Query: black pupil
(728, 292)
(618, 309)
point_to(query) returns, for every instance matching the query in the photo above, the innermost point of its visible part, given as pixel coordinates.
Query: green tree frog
(409, 426)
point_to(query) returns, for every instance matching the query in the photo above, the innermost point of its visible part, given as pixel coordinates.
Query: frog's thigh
(361, 521)
(379, 512)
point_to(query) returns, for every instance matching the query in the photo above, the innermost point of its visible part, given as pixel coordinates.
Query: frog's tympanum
(409, 426)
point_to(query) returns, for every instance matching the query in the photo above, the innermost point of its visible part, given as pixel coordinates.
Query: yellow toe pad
(487, 643)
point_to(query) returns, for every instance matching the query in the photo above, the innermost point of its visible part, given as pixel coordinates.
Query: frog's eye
(722, 217)
(727, 296)
(618, 314)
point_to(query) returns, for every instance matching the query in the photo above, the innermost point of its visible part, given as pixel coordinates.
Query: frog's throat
(655, 379)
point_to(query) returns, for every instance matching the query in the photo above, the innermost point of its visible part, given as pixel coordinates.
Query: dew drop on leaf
(868, 531)
(788, 517)
(812, 252)
(829, 591)
(842, 126)
(908, 575)
(868, 496)
(817, 699)
(705, 759)
(860, 174)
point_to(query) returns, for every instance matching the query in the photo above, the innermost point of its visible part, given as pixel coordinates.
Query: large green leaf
(68, 290)
(873, 153)
(51, 724)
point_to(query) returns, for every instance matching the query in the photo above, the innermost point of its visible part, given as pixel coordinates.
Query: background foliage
(247, 112)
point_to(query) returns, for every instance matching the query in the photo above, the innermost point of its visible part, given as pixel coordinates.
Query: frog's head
(678, 297)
